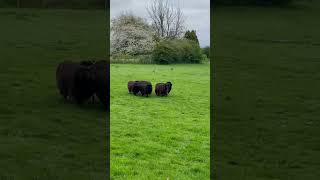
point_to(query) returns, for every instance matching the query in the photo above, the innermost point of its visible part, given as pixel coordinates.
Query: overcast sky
(196, 14)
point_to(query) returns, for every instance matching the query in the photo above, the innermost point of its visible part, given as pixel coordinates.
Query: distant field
(40, 136)
(160, 137)
(266, 109)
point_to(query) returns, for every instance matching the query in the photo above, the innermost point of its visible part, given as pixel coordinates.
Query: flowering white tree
(130, 35)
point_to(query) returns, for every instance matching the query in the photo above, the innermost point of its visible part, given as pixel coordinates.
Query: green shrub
(191, 35)
(206, 51)
(191, 52)
(164, 53)
(176, 51)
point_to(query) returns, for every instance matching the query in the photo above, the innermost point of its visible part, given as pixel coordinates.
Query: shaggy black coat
(144, 87)
(130, 86)
(78, 81)
(75, 82)
(65, 78)
(163, 89)
(84, 84)
(169, 85)
(89, 63)
(102, 85)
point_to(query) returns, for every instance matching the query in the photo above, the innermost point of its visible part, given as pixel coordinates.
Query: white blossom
(130, 35)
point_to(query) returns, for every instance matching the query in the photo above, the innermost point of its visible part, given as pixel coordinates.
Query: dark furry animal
(75, 81)
(169, 85)
(78, 81)
(144, 87)
(130, 86)
(65, 78)
(163, 89)
(84, 84)
(89, 63)
(102, 85)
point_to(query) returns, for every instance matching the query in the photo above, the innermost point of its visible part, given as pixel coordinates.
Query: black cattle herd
(80, 81)
(145, 88)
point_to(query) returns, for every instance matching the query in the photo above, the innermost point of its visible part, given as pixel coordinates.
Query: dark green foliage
(253, 2)
(176, 51)
(206, 51)
(191, 35)
(164, 53)
(190, 52)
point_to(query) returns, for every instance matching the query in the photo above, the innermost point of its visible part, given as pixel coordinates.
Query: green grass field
(160, 137)
(40, 136)
(266, 107)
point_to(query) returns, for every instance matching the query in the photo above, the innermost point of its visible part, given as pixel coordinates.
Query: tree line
(164, 37)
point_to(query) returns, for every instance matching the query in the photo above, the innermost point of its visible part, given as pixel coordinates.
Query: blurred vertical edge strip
(212, 117)
(107, 10)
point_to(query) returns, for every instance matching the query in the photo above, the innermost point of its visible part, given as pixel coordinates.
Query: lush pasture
(266, 106)
(160, 137)
(40, 136)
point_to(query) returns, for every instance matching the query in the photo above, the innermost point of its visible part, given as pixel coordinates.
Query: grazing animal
(84, 84)
(75, 81)
(89, 63)
(130, 85)
(78, 81)
(65, 78)
(102, 85)
(163, 89)
(144, 87)
(169, 85)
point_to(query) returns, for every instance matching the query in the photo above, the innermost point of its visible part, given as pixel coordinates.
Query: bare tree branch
(167, 21)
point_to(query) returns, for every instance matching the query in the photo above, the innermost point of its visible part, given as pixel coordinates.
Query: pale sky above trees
(196, 14)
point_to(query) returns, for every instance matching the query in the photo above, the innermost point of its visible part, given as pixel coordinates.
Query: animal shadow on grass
(151, 96)
(144, 88)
